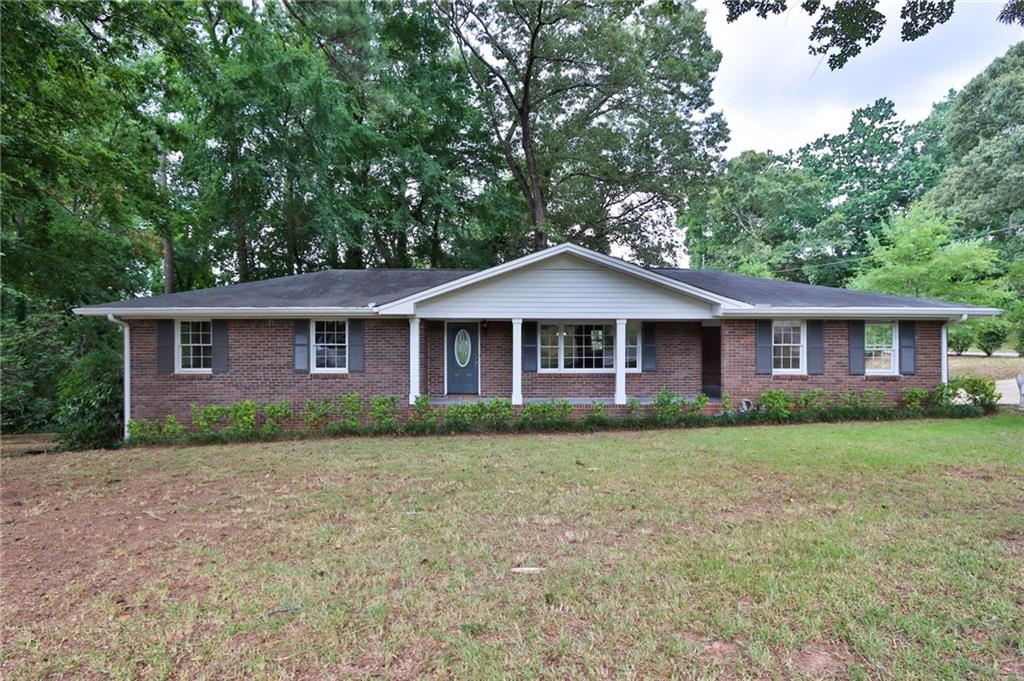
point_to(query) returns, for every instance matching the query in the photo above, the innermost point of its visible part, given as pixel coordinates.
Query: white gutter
(127, 332)
(224, 312)
(862, 312)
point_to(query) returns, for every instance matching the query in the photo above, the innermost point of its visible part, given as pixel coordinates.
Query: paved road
(979, 353)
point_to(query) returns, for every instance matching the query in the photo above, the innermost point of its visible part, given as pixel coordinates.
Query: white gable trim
(406, 306)
(767, 311)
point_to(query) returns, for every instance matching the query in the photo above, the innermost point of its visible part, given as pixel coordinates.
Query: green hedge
(962, 397)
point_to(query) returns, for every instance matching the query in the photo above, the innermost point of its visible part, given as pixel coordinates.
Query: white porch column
(517, 361)
(944, 349)
(414, 359)
(620, 361)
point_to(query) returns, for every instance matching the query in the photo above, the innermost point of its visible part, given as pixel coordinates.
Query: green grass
(858, 550)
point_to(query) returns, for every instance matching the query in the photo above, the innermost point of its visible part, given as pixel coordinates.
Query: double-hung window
(329, 348)
(789, 347)
(194, 347)
(879, 348)
(585, 347)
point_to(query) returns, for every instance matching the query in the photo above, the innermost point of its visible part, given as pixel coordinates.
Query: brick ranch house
(562, 323)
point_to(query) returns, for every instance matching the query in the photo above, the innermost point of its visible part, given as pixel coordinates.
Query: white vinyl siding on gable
(564, 287)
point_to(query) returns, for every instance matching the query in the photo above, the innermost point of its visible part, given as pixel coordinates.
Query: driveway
(1008, 389)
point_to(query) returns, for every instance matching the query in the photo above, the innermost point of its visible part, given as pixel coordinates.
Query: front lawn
(864, 550)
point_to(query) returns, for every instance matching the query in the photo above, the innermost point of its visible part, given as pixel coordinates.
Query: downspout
(127, 370)
(944, 349)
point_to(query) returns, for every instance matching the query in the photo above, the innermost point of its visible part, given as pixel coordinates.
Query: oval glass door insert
(463, 347)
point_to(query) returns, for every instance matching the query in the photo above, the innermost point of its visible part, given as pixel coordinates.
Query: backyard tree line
(151, 147)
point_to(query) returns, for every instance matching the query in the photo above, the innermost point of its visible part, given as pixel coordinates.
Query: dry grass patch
(999, 368)
(888, 549)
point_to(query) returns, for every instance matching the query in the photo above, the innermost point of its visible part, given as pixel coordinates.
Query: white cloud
(777, 96)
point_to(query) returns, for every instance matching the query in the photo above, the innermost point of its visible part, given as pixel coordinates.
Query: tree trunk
(435, 243)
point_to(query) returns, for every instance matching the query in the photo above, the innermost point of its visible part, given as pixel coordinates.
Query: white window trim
(895, 370)
(312, 346)
(561, 347)
(802, 370)
(178, 369)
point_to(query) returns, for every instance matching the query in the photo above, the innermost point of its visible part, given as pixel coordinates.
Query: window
(788, 347)
(330, 346)
(195, 346)
(880, 348)
(585, 347)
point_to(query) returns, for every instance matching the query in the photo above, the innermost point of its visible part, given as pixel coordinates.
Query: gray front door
(462, 348)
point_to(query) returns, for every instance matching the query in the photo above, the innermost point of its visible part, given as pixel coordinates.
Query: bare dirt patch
(822, 660)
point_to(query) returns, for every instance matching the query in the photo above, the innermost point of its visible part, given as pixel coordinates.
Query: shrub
(90, 402)
(1019, 343)
(422, 417)
(209, 419)
(597, 417)
(872, 398)
(495, 415)
(960, 338)
(315, 414)
(350, 412)
(545, 415)
(992, 333)
(242, 419)
(914, 399)
(815, 398)
(274, 414)
(776, 404)
(143, 432)
(384, 413)
(666, 407)
(461, 417)
(976, 390)
(172, 430)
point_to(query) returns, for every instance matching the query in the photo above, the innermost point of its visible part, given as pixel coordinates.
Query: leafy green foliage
(274, 414)
(976, 391)
(960, 337)
(553, 415)
(992, 333)
(842, 29)
(91, 400)
(915, 255)
(914, 399)
(422, 417)
(384, 414)
(777, 404)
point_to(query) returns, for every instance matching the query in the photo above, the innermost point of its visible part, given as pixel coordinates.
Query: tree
(917, 256)
(845, 27)
(981, 192)
(992, 333)
(759, 218)
(600, 112)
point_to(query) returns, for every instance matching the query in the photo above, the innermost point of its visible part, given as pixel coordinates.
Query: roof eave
(223, 312)
(861, 312)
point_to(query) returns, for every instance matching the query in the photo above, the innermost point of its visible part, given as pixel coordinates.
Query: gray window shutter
(301, 346)
(165, 346)
(220, 346)
(815, 347)
(856, 348)
(649, 341)
(764, 346)
(529, 346)
(355, 346)
(908, 348)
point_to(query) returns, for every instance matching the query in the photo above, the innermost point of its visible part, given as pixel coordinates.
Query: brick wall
(740, 380)
(260, 368)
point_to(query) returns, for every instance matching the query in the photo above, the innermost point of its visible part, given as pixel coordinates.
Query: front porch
(528, 361)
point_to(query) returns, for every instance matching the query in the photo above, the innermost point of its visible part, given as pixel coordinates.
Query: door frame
(480, 355)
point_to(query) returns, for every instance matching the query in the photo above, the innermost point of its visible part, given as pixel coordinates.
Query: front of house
(563, 323)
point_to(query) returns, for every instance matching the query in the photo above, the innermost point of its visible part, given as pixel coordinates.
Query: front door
(462, 349)
(711, 361)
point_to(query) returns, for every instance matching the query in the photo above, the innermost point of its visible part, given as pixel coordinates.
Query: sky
(777, 96)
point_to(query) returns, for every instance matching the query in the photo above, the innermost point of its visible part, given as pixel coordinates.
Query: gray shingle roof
(360, 288)
(757, 291)
(328, 288)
